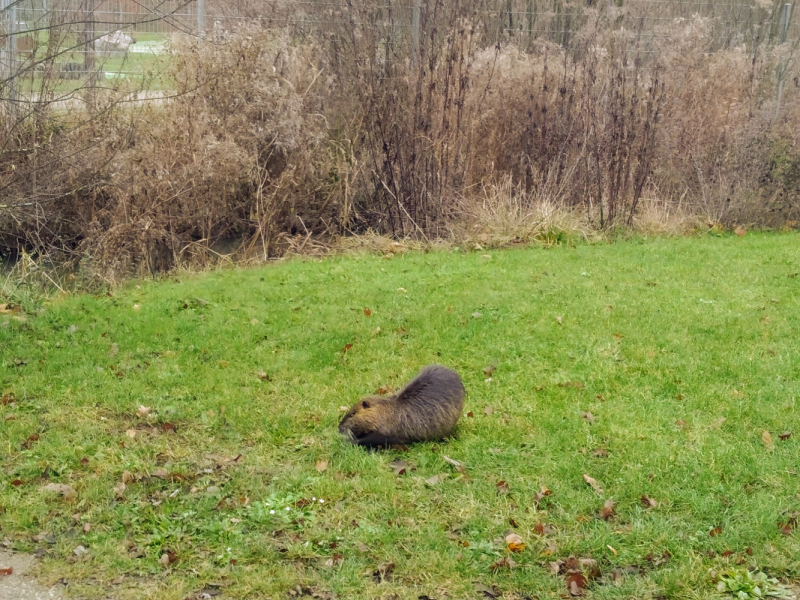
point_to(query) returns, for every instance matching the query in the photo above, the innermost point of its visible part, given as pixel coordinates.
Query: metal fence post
(201, 17)
(787, 12)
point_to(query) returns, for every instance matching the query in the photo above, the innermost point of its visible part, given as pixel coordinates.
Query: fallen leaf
(143, 411)
(456, 465)
(592, 482)
(362, 547)
(16, 482)
(80, 551)
(30, 441)
(489, 371)
(600, 452)
(680, 423)
(587, 416)
(119, 489)
(716, 531)
(65, 490)
(488, 592)
(740, 231)
(554, 567)
(612, 549)
(504, 563)
(543, 529)
(558, 320)
(576, 583)
(367, 312)
(514, 543)
(127, 477)
(401, 467)
(470, 414)
(131, 433)
(648, 502)
(607, 512)
(6, 570)
(160, 473)
(347, 347)
(166, 427)
(436, 479)
(543, 491)
(322, 465)
(384, 390)
(262, 375)
(502, 487)
(488, 411)
(8, 399)
(766, 439)
(87, 527)
(785, 435)
(402, 290)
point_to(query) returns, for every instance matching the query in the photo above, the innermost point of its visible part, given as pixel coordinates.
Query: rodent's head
(360, 420)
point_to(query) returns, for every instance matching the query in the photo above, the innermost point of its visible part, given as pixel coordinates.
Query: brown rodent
(425, 409)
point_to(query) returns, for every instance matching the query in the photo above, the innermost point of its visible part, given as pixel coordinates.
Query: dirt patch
(19, 585)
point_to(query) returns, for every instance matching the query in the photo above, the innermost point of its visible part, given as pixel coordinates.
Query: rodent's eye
(365, 404)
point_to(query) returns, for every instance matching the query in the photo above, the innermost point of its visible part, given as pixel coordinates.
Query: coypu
(425, 409)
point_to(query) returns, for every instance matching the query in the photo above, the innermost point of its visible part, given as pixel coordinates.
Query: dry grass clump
(286, 140)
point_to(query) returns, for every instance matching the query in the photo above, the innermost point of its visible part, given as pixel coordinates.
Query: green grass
(668, 337)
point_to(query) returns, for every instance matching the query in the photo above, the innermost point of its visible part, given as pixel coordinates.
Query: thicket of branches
(272, 134)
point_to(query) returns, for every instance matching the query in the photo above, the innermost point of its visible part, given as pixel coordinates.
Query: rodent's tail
(432, 381)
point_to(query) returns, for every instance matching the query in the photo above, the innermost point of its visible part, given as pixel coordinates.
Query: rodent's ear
(365, 404)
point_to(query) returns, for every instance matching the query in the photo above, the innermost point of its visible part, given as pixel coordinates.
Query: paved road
(18, 585)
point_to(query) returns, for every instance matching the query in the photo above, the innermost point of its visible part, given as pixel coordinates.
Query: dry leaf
(504, 563)
(600, 452)
(576, 583)
(87, 527)
(766, 439)
(383, 572)
(456, 465)
(514, 543)
(127, 477)
(6, 570)
(80, 551)
(607, 512)
(488, 411)
(262, 375)
(716, 531)
(436, 479)
(592, 482)
(65, 490)
(131, 433)
(143, 411)
(160, 473)
(502, 487)
(648, 502)
(401, 467)
(558, 319)
(588, 417)
(489, 371)
(119, 489)
(740, 231)
(367, 312)
(785, 435)
(322, 465)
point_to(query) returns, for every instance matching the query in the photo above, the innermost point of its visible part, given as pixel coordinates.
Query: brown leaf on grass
(592, 482)
(167, 558)
(262, 375)
(87, 527)
(558, 320)
(347, 347)
(680, 423)
(576, 583)
(458, 466)
(502, 487)
(488, 592)
(766, 439)
(6, 570)
(514, 542)
(543, 529)
(504, 563)
(322, 465)
(600, 452)
(65, 490)
(789, 523)
(470, 414)
(16, 482)
(362, 547)
(607, 512)
(160, 473)
(785, 435)
(401, 467)
(119, 489)
(658, 559)
(572, 384)
(143, 411)
(367, 312)
(488, 411)
(539, 496)
(489, 371)
(30, 441)
(648, 502)
(131, 433)
(436, 479)
(383, 572)
(716, 531)
(8, 399)
(127, 477)
(384, 390)
(553, 567)
(587, 416)
(740, 231)
(167, 427)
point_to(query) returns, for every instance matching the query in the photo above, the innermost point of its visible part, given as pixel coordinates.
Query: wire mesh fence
(117, 36)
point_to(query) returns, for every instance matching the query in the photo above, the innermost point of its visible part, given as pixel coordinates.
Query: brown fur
(425, 409)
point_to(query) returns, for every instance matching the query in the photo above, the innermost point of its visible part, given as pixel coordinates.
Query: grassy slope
(689, 330)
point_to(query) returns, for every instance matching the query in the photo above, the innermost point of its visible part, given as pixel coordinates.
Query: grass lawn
(654, 367)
